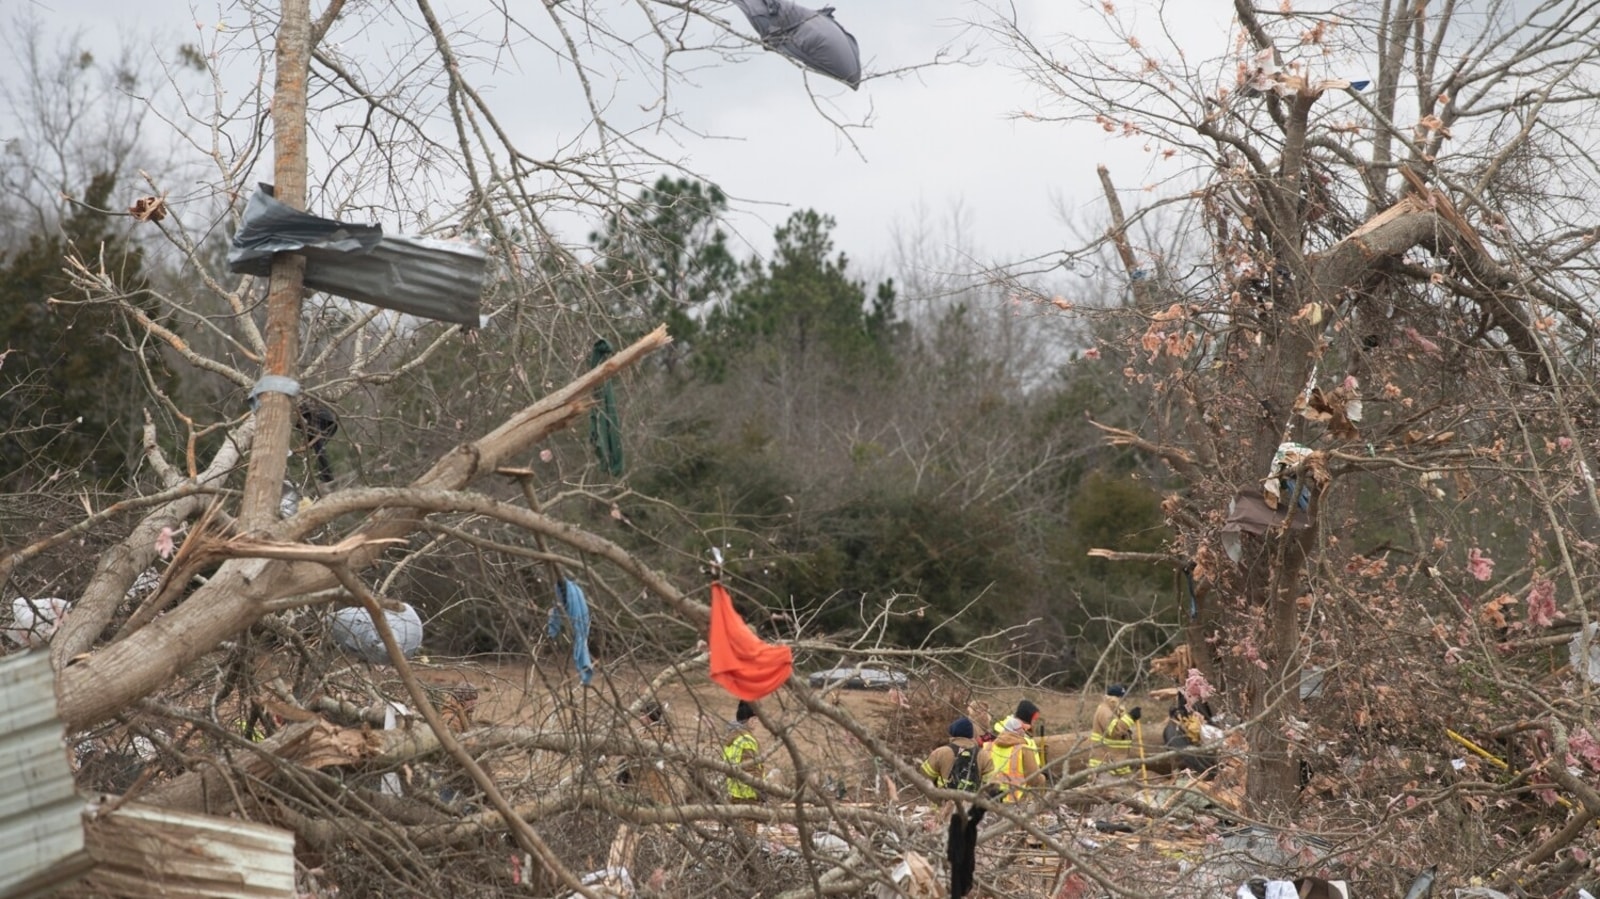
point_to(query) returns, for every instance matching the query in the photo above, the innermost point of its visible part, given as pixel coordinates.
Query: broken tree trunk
(106, 681)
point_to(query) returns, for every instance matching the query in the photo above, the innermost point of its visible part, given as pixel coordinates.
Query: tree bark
(276, 411)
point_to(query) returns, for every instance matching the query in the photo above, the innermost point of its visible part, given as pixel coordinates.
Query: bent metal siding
(144, 850)
(54, 844)
(41, 829)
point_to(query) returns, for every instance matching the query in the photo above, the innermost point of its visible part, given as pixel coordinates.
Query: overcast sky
(942, 140)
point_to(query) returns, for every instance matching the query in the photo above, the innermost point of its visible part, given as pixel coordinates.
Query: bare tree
(199, 631)
(1383, 346)
(72, 116)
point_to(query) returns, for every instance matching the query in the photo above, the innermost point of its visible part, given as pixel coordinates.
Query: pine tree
(68, 379)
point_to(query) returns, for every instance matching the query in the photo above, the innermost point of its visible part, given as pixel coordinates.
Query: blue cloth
(573, 608)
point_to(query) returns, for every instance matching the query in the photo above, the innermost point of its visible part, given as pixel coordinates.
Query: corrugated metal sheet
(41, 828)
(434, 279)
(141, 850)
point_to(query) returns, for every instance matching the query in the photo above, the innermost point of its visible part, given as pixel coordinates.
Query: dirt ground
(547, 695)
(699, 711)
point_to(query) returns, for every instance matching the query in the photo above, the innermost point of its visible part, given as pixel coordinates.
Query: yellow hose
(1478, 750)
(1493, 759)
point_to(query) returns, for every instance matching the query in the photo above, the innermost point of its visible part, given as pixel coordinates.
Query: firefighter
(1014, 763)
(1115, 730)
(946, 766)
(742, 751)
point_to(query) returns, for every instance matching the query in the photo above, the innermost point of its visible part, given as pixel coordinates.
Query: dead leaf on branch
(1310, 313)
(1493, 612)
(1432, 123)
(1316, 465)
(1167, 334)
(149, 209)
(1339, 408)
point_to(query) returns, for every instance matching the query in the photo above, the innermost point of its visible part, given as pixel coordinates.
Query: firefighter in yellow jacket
(1115, 730)
(1014, 762)
(743, 752)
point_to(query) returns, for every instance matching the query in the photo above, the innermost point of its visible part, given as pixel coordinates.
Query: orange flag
(743, 664)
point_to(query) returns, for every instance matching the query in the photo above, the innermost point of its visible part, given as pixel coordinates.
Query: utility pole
(275, 412)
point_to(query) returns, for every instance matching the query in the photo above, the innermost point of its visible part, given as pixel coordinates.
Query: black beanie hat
(745, 712)
(961, 727)
(1117, 690)
(1027, 711)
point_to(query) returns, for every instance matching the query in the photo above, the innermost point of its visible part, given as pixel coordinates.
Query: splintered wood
(1175, 666)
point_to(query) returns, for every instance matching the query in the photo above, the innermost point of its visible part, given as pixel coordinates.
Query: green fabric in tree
(605, 427)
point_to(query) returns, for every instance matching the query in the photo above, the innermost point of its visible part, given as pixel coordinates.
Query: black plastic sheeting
(436, 279)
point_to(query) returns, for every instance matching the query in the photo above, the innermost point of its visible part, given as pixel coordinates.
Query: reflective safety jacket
(1012, 761)
(1113, 735)
(742, 752)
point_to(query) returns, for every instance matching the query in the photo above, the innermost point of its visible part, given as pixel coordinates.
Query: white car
(859, 678)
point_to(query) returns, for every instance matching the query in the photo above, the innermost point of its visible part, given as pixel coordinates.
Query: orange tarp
(743, 664)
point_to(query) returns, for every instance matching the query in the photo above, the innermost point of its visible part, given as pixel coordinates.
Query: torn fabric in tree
(810, 37)
(1248, 513)
(743, 663)
(428, 278)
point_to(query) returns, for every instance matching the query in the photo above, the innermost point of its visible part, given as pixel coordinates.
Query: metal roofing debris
(41, 831)
(141, 850)
(419, 276)
(49, 845)
(270, 227)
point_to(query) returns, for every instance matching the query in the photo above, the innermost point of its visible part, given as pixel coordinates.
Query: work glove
(1136, 713)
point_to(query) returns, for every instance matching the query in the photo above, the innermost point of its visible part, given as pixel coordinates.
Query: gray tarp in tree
(434, 279)
(811, 37)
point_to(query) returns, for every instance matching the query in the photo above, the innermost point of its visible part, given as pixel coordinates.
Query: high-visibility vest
(1027, 740)
(734, 754)
(1006, 768)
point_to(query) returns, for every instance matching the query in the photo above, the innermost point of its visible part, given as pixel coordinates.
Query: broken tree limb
(192, 789)
(550, 867)
(1119, 239)
(420, 501)
(1180, 459)
(1178, 562)
(524, 479)
(119, 566)
(97, 686)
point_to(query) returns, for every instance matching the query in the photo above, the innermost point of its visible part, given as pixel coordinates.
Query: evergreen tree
(68, 382)
(666, 257)
(803, 301)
